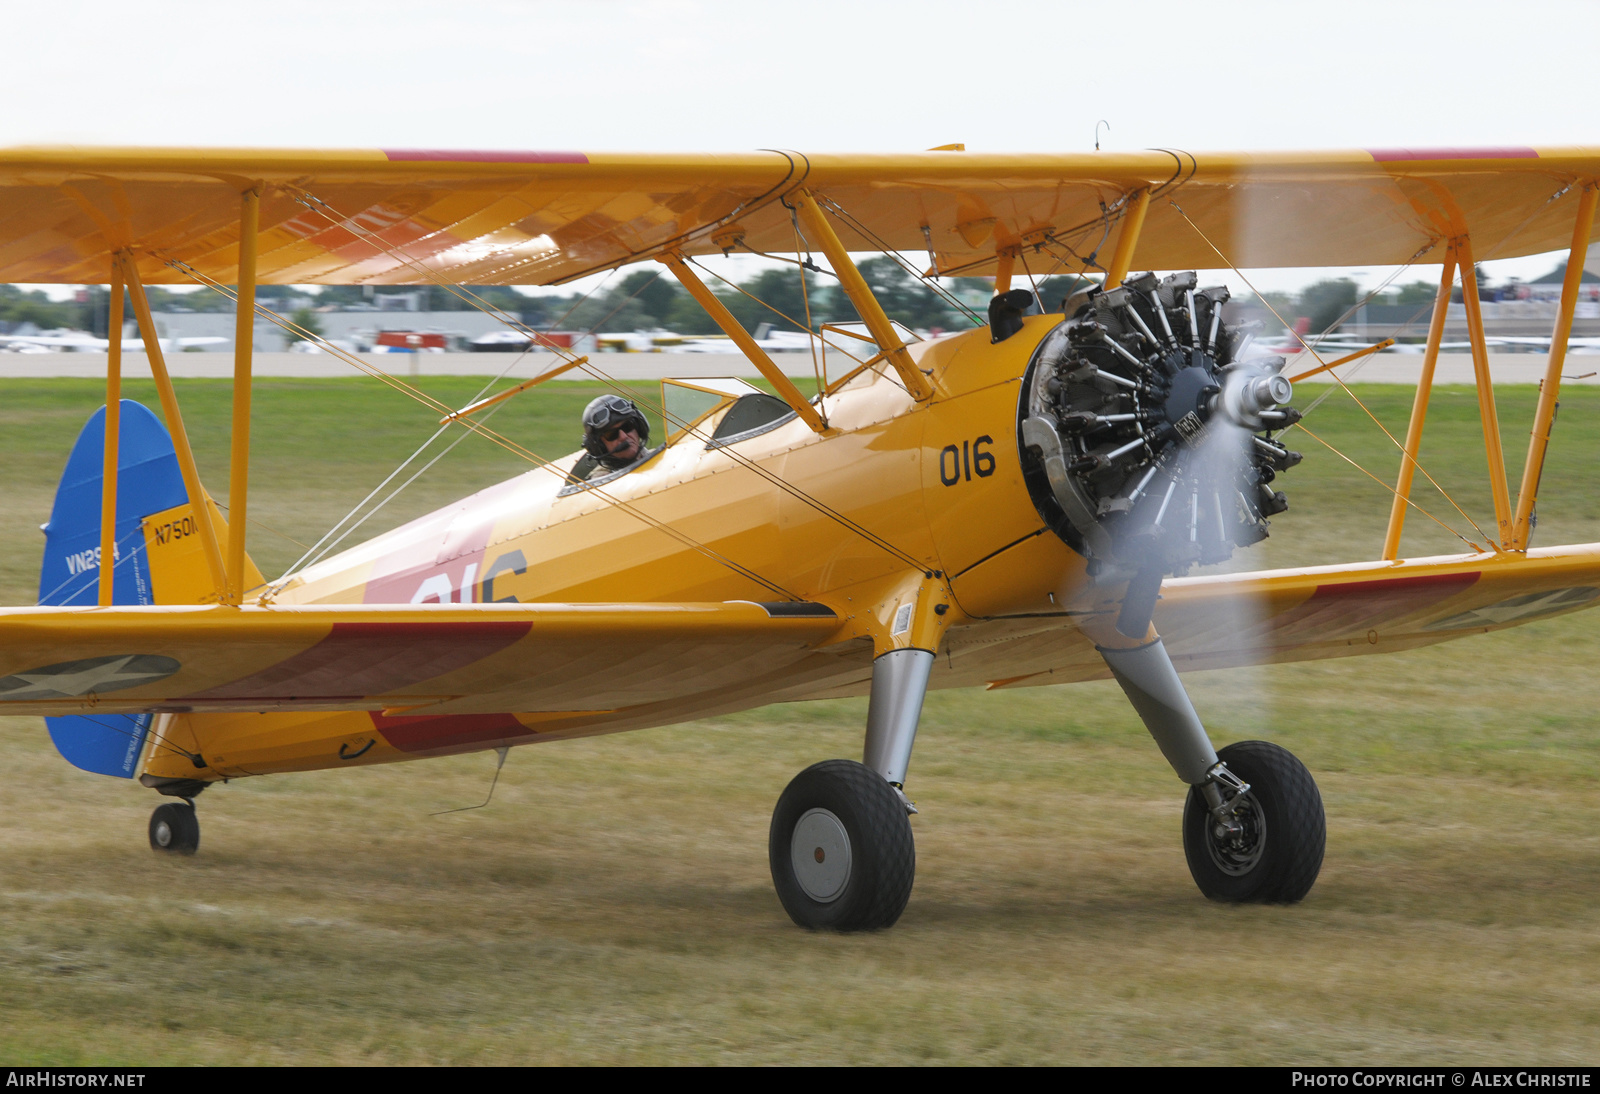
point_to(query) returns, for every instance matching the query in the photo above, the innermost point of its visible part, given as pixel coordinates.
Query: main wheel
(841, 849)
(174, 829)
(1274, 853)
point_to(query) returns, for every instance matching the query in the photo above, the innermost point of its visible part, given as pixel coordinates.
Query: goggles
(606, 412)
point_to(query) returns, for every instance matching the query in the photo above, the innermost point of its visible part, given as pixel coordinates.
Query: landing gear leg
(840, 846)
(174, 829)
(1253, 824)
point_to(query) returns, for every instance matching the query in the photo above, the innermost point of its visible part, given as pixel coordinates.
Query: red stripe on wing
(356, 660)
(1351, 607)
(1389, 155)
(417, 733)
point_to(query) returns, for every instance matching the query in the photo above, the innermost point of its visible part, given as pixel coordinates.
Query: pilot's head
(614, 432)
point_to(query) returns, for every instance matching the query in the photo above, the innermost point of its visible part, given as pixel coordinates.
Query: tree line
(1326, 302)
(647, 299)
(644, 299)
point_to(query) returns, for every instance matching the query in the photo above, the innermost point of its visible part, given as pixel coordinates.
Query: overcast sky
(823, 75)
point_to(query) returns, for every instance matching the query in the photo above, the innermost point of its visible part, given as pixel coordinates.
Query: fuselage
(891, 486)
(895, 497)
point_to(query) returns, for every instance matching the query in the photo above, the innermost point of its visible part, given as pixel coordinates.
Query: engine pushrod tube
(1123, 380)
(1114, 344)
(1161, 313)
(1125, 449)
(1165, 501)
(1272, 450)
(1138, 321)
(1135, 493)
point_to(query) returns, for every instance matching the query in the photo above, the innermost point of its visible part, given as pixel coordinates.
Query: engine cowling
(1148, 430)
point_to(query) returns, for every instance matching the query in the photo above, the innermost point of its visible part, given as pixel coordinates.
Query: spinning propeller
(1152, 435)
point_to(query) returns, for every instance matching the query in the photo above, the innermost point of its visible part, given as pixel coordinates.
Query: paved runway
(1388, 368)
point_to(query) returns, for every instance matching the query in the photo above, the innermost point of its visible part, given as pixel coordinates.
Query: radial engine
(1148, 433)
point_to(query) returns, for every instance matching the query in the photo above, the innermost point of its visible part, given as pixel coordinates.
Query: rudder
(157, 559)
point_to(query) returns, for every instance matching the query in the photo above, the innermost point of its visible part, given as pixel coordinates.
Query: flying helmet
(606, 413)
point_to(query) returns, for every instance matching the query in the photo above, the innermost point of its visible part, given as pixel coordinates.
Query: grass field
(613, 903)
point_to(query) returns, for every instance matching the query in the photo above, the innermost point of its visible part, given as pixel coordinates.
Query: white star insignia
(71, 681)
(1515, 609)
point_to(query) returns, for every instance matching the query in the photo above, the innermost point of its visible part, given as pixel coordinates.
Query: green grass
(613, 903)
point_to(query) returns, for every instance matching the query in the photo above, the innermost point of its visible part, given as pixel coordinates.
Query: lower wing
(1301, 615)
(455, 659)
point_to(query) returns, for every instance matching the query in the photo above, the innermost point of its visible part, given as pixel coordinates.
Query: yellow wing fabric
(1306, 615)
(456, 659)
(408, 217)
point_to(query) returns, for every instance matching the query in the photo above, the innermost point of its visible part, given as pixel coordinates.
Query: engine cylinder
(1148, 433)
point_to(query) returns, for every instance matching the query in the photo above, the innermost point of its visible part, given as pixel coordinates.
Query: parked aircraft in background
(74, 341)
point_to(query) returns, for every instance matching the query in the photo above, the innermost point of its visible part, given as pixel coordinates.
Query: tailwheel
(174, 829)
(841, 849)
(1264, 846)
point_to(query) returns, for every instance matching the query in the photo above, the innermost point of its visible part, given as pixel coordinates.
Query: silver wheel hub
(819, 851)
(164, 834)
(1237, 843)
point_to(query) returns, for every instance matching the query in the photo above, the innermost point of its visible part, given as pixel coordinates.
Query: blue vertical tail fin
(148, 481)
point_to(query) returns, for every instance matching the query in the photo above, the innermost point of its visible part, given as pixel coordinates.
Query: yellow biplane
(1013, 505)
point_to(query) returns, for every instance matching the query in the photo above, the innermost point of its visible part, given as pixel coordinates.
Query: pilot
(614, 433)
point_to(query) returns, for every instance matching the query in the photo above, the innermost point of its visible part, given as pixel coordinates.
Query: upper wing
(1304, 615)
(455, 659)
(393, 217)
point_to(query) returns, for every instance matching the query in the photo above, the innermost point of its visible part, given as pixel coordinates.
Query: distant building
(361, 329)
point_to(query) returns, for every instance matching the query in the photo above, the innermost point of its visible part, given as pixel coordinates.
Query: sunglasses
(612, 434)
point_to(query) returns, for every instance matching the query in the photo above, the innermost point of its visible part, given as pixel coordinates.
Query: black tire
(864, 851)
(1277, 860)
(174, 829)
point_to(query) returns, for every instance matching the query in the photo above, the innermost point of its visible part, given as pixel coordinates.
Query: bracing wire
(1404, 454)
(329, 213)
(477, 427)
(307, 559)
(149, 734)
(394, 494)
(862, 230)
(265, 527)
(1033, 286)
(779, 312)
(1396, 493)
(805, 300)
(117, 562)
